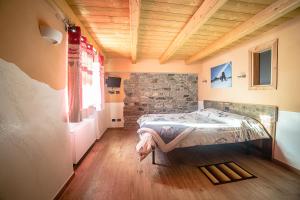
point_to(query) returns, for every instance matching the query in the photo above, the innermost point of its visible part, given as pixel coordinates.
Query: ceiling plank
(231, 15)
(100, 11)
(135, 12)
(181, 2)
(205, 11)
(104, 19)
(106, 25)
(168, 7)
(269, 14)
(97, 3)
(69, 13)
(146, 14)
(243, 7)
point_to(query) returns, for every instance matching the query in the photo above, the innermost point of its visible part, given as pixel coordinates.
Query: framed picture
(221, 76)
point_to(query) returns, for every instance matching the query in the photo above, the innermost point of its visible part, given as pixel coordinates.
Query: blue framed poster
(221, 76)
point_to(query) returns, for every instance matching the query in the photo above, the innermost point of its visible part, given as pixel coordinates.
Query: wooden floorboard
(112, 171)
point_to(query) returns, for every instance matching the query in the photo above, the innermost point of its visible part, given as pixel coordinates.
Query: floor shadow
(179, 168)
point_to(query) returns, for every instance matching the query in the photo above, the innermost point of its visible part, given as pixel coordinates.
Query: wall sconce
(242, 75)
(52, 35)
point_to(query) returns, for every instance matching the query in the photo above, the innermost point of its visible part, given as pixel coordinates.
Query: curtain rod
(60, 15)
(65, 20)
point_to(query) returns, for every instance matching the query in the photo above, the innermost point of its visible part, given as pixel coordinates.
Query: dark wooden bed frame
(267, 115)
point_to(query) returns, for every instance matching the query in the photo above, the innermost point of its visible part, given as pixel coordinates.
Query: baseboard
(116, 128)
(100, 134)
(63, 188)
(290, 168)
(84, 155)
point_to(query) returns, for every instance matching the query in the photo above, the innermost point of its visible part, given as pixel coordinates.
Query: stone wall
(158, 93)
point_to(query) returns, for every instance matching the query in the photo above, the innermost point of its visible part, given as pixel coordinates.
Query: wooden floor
(111, 170)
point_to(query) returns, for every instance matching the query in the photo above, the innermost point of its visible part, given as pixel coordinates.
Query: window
(84, 76)
(263, 66)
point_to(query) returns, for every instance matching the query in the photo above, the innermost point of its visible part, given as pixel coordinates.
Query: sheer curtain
(97, 79)
(74, 75)
(102, 100)
(84, 77)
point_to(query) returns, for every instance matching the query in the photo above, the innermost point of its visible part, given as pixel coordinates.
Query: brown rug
(227, 172)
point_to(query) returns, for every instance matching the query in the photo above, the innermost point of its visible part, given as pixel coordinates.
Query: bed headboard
(265, 114)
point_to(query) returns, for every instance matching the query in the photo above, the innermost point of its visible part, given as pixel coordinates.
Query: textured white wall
(35, 151)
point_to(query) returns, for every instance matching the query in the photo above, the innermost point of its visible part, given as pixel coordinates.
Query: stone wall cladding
(149, 93)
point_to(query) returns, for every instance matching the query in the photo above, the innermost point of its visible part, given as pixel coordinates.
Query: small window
(263, 66)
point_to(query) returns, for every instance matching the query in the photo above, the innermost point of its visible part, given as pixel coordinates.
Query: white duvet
(205, 127)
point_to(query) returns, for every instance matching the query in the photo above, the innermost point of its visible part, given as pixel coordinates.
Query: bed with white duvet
(205, 127)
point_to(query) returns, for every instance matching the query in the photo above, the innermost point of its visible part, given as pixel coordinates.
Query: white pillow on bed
(226, 117)
(209, 112)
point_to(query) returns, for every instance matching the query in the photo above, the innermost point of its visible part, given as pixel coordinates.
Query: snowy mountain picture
(221, 76)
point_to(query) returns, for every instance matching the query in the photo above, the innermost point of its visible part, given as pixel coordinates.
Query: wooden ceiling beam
(205, 11)
(269, 14)
(135, 12)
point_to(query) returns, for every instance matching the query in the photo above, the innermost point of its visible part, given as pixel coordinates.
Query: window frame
(273, 46)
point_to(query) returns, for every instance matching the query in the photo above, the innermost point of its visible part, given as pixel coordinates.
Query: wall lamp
(242, 75)
(50, 34)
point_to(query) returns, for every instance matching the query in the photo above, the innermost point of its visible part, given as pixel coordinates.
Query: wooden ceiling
(178, 29)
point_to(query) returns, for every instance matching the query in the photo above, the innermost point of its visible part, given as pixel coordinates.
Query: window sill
(262, 87)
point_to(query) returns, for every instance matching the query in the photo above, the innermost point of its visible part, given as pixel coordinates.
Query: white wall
(114, 111)
(83, 135)
(200, 105)
(102, 122)
(287, 148)
(35, 148)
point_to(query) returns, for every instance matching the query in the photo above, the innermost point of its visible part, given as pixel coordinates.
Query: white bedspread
(205, 127)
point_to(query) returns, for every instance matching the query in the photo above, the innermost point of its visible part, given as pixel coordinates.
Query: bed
(208, 126)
